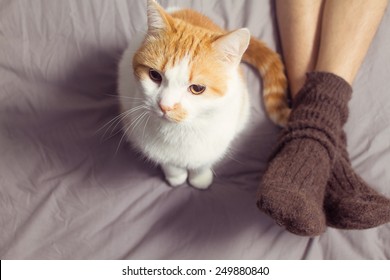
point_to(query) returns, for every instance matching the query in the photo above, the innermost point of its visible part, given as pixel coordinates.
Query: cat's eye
(197, 89)
(155, 76)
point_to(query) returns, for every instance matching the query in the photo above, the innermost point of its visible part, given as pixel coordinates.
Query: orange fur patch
(271, 68)
(191, 35)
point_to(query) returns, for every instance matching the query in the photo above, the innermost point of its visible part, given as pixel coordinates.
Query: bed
(71, 188)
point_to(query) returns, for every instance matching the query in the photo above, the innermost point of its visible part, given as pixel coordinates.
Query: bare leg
(299, 26)
(347, 31)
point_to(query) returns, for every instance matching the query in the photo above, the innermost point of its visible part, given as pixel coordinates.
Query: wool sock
(349, 202)
(292, 189)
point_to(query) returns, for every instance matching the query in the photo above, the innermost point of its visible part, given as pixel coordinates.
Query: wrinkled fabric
(70, 188)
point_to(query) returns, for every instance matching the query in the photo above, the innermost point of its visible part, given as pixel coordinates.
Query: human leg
(292, 189)
(349, 202)
(299, 23)
(344, 28)
(346, 34)
(298, 204)
(293, 186)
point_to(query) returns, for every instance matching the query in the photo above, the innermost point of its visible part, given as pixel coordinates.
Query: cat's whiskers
(113, 124)
(138, 120)
(110, 122)
(230, 155)
(126, 99)
(132, 126)
(123, 97)
(143, 133)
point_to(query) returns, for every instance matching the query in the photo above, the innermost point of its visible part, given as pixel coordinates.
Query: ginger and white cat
(183, 96)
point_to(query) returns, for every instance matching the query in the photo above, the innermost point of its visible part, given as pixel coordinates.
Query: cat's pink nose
(165, 108)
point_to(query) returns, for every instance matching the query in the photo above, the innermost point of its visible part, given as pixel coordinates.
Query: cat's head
(186, 70)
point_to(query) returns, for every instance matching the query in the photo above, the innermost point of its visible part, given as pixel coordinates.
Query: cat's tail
(271, 69)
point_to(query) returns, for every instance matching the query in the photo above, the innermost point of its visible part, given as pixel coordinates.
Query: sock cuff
(330, 79)
(324, 97)
(324, 85)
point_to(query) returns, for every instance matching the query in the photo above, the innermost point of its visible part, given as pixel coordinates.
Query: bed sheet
(70, 188)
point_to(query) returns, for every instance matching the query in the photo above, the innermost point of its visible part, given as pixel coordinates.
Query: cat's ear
(158, 19)
(233, 45)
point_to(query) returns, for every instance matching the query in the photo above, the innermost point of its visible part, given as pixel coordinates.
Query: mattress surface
(71, 188)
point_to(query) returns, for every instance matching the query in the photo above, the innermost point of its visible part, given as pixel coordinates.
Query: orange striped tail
(271, 69)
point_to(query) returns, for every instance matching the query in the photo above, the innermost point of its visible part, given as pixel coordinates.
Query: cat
(183, 96)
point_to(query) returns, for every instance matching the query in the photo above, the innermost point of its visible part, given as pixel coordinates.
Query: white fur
(171, 10)
(234, 44)
(155, 21)
(175, 83)
(193, 146)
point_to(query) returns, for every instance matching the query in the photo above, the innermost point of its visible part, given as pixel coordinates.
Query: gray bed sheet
(71, 189)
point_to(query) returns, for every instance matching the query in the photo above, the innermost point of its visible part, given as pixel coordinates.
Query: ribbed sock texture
(293, 187)
(349, 202)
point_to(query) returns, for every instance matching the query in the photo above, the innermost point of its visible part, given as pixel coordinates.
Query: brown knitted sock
(293, 186)
(349, 202)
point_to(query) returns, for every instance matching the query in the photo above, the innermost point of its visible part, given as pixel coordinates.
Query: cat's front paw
(175, 181)
(174, 175)
(201, 179)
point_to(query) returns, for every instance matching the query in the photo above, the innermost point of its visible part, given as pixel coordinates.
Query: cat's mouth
(165, 117)
(171, 118)
(176, 115)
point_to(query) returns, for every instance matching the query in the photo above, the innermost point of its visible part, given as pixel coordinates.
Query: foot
(293, 186)
(350, 203)
(201, 179)
(175, 176)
